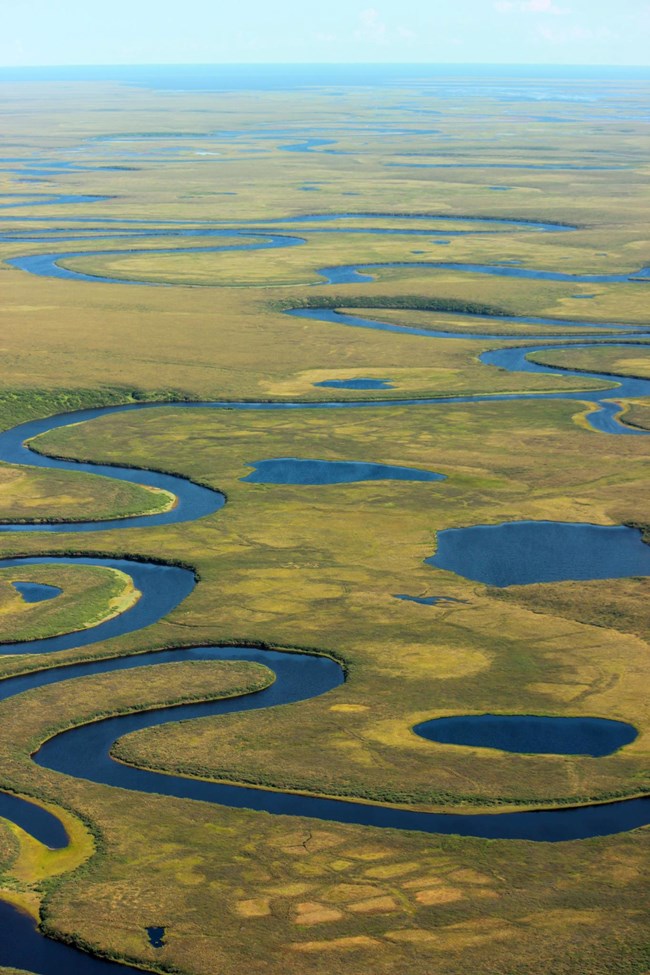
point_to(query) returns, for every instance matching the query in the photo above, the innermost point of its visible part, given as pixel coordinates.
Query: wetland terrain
(324, 526)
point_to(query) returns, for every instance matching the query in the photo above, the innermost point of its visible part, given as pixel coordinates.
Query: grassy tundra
(318, 567)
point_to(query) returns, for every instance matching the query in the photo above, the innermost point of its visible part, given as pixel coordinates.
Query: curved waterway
(85, 751)
(28, 950)
(162, 588)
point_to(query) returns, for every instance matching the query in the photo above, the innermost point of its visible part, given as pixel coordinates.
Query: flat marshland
(215, 215)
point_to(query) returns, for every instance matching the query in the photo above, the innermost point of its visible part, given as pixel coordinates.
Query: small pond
(361, 383)
(293, 470)
(428, 600)
(156, 937)
(531, 734)
(36, 592)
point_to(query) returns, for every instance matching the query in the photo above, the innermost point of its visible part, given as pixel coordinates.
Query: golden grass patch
(375, 905)
(353, 943)
(253, 907)
(439, 895)
(312, 912)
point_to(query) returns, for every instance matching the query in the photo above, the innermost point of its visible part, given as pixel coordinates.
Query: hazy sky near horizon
(53, 32)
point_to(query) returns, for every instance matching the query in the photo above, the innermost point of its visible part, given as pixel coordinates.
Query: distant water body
(220, 77)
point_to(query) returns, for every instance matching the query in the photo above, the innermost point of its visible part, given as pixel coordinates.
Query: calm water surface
(531, 734)
(36, 592)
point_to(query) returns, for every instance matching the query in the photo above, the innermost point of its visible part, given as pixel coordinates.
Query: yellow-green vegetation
(634, 361)
(8, 845)
(621, 607)
(32, 495)
(638, 415)
(318, 567)
(91, 594)
(411, 316)
(25, 874)
(27, 865)
(297, 895)
(295, 892)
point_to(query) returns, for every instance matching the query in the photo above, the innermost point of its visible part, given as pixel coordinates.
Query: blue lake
(36, 592)
(531, 734)
(293, 470)
(518, 553)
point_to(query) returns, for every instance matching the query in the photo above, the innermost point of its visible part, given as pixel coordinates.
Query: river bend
(85, 751)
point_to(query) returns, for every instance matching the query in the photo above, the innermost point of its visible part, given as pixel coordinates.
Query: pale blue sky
(47, 32)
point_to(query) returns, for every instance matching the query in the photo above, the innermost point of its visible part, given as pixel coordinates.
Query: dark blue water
(606, 412)
(23, 946)
(48, 265)
(360, 383)
(293, 470)
(428, 600)
(156, 937)
(298, 677)
(192, 500)
(162, 588)
(36, 592)
(35, 820)
(531, 734)
(519, 553)
(85, 752)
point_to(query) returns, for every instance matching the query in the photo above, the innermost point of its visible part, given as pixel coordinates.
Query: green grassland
(635, 362)
(91, 594)
(317, 567)
(300, 892)
(638, 415)
(31, 495)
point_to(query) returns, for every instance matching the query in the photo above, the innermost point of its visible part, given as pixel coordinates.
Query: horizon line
(356, 64)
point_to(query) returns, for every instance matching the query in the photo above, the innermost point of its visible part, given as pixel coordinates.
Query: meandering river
(84, 751)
